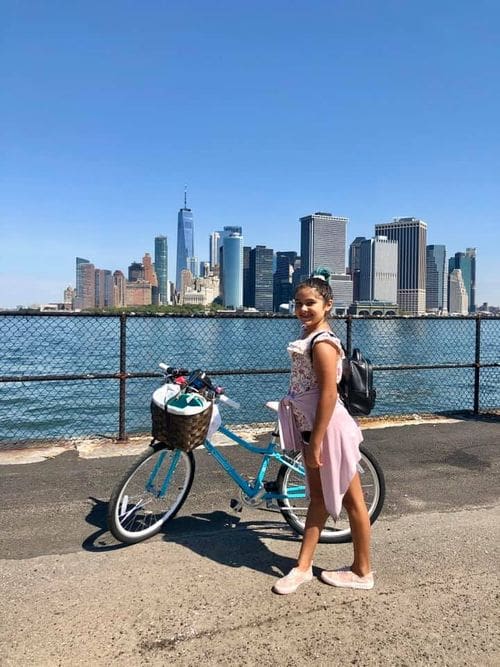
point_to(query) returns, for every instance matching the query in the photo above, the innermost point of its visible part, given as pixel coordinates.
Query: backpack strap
(330, 333)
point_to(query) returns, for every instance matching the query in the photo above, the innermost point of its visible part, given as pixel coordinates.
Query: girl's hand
(312, 457)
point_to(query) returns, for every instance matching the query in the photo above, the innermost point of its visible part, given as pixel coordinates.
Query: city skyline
(378, 269)
(105, 115)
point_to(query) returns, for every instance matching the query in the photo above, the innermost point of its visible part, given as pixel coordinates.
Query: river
(46, 345)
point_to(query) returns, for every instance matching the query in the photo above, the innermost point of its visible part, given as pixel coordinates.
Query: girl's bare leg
(359, 521)
(315, 520)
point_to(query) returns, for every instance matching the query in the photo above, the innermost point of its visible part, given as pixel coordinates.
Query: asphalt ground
(201, 590)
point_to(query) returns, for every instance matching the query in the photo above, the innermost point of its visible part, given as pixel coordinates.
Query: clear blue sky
(268, 110)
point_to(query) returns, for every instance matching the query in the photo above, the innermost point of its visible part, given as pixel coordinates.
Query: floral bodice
(302, 376)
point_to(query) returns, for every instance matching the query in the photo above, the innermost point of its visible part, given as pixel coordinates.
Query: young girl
(313, 418)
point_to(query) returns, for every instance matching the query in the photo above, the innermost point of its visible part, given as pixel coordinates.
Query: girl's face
(311, 308)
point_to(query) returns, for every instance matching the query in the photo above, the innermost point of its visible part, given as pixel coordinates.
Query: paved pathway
(201, 591)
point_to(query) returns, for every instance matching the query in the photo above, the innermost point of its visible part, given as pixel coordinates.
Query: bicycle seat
(272, 405)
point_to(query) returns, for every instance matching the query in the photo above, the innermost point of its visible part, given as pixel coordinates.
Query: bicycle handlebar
(195, 378)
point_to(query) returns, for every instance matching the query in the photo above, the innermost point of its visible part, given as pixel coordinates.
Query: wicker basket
(179, 431)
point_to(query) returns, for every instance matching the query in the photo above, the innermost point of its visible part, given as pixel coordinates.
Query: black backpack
(356, 386)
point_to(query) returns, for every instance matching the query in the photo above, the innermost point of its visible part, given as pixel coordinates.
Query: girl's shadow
(227, 539)
(220, 536)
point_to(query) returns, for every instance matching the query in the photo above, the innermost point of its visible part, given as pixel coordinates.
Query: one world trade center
(185, 242)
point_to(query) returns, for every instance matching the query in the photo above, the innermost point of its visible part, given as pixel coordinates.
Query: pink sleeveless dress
(297, 411)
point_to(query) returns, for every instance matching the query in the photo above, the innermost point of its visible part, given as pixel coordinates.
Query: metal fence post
(348, 342)
(122, 435)
(477, 365)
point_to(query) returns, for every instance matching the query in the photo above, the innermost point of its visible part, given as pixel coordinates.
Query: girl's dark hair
(319, 280)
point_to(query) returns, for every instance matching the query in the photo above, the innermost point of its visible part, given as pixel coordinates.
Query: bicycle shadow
(220, 536)
(228, 540)
(101, 540)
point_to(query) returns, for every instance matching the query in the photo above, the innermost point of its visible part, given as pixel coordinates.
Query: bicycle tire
(150, 493)
(372, 481)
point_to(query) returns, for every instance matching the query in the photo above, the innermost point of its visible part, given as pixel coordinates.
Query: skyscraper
(135, 272)
(161, 268)
(214, 245)
(436, 290)
(459, 302)
(283, 278)
(233, 271)
(466, 262)
(185, 241)
(149, 272)
(354, 255)
(322, 242)
(85, 284)
(79, 281)
(104, 297)
(411, 235)
(119, 282)
(378, 270)
(248, 293)
(261, 278)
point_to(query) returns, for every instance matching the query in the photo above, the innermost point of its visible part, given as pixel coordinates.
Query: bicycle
(157, 484)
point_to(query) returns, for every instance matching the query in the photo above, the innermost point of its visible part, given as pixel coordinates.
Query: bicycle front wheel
(295, 501)
(151, 493)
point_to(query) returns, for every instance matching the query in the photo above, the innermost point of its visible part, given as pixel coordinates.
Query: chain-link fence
(77, 375)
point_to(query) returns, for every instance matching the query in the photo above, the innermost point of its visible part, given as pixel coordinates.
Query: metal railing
(426, 364)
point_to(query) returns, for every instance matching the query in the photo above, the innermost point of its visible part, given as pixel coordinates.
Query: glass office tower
(436, 290)
(185, 242)
(411, 235)
(232, 250)
(466, 262)
(161, 267)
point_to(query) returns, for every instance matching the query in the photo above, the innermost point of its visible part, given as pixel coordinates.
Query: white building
(459, 301)
(378, 270)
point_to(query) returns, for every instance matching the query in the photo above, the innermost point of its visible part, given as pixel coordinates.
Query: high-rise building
(80, 262)
(149, 271)
(185, 241)
(378, 270)
(341, 284)
(466, 262)
(354, 263)
(161, 268)
(233, 271)
(411, 235)
(85, 284)
(214, 245)
(459, 302)
(283, 278)
(261, 278)
(193, 266)
(322, 242)
(103, 289)
(248, 290)
(436, 289)
(135, 272)
(119, 299)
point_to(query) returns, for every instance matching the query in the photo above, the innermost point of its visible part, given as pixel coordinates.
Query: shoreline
(105, 447)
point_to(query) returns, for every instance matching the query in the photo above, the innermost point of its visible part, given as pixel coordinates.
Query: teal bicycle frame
(269, 453)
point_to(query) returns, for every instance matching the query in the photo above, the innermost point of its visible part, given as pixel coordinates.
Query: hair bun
(322, 273)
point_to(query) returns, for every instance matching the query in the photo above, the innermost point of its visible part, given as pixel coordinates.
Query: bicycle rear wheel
(151, 493)
(294, 506)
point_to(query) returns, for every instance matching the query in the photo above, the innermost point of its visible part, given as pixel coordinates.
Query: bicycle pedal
(272, 505)
(235, 505)
(271, 487)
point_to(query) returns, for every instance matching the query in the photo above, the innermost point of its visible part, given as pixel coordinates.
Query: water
(89, 345)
